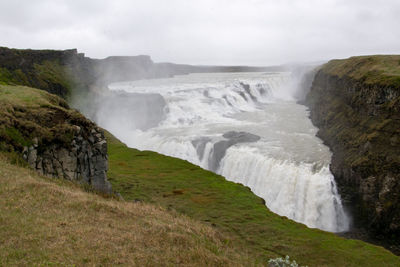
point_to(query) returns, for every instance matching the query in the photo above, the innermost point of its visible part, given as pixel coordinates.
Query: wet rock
(241, 137)
(220, 148)
(200, 145)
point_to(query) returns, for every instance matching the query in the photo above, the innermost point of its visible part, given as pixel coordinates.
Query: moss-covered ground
(232, 209)
(27, 113)
(379, 69)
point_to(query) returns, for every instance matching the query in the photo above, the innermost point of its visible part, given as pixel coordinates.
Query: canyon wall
(355, 103)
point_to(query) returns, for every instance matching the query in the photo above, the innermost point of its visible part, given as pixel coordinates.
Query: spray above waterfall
(244, 126)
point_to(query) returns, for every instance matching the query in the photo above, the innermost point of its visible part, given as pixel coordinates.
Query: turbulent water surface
(244, 126)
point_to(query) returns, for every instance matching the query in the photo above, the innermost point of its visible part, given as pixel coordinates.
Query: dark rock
(83, 161)
(360, 123)
(220, 147)
(241, 137)
(246, 87)
(200, 145)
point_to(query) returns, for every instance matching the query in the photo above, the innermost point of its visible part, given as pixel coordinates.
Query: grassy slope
(49, 76)
(26, 113)
(53, 222)
(232, 209)
(380, 69)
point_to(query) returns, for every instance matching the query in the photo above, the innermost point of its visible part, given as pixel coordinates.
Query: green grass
(52, 72)
(233, 209)
(24, 96)
(378, 69)
(50, 76)
(27, 113)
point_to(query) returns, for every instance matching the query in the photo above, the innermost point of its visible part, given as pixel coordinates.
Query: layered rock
(84, 160)
(356, 105)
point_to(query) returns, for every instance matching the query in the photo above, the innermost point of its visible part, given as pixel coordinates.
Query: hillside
(356, 105)
(47, 222)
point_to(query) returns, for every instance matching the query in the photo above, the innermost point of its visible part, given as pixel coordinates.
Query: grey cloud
(253, 32)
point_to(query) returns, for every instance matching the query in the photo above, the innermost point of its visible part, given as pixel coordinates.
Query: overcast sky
(239, 32)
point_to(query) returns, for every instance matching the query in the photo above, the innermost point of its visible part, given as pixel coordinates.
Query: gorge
(246, 127)
(241, 125)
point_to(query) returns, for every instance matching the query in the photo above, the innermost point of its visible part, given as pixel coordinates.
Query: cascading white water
(248, 128)
(298, 191)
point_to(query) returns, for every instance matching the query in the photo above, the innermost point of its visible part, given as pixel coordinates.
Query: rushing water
(244, 126)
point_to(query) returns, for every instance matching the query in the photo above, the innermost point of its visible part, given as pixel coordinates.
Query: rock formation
(55, 140)
(220, 148)
(85, 160)
(356, 105)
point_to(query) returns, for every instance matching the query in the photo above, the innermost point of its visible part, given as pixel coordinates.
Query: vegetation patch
(380, 69)
(44, 69)
(27, 113)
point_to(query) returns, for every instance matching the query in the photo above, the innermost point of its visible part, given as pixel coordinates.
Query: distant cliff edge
(355, 103)
(61, 72)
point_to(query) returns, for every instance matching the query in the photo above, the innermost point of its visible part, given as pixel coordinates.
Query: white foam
(289, 189)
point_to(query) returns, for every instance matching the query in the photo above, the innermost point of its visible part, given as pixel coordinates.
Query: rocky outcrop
(220, 147)
(55, 140)
(84, 160)
(358, 118)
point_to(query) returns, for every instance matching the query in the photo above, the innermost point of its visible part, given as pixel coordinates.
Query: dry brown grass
(47, 222)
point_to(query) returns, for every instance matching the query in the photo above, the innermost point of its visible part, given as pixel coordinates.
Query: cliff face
(55, 140)
(83, 160)
(68, 72)
(44, 69)
(356, 103)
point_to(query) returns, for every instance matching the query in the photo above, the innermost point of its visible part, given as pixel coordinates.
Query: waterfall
(246, 127)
